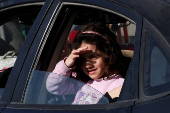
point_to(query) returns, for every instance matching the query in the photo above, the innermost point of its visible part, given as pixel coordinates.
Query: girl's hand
(75, 54)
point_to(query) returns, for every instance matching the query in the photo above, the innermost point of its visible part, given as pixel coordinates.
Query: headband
(95, 33)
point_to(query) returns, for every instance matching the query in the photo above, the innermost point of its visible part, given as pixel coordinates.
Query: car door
(15, 22)
(50, 44)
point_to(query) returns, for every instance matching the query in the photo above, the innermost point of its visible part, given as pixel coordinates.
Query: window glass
(57, 47)
(12, 35)
(67, 91)
(159, 68)
(157, 74)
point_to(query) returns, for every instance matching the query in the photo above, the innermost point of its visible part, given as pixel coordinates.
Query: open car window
(125, 36)
(123, 28)
(57, 46)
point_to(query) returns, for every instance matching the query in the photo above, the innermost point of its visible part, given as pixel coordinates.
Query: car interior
(80, 18)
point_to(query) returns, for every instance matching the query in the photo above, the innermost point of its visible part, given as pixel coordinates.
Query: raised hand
(75, 54)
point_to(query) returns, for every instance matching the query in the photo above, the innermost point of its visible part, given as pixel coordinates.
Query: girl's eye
(82, 59)
(93, 57)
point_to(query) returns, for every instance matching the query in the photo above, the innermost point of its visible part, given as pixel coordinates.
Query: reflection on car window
(67, 91)
(12, 35)
(157, 74)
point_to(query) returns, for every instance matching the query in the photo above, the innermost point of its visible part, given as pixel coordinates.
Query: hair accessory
(95, 33)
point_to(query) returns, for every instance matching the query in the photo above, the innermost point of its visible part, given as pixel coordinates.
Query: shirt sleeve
(60, 85)
(58, 82)
(62, 69)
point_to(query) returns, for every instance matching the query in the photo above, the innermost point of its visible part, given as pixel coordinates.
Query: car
(142, 29)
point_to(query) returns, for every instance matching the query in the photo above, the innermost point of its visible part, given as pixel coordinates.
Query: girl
(95, 59)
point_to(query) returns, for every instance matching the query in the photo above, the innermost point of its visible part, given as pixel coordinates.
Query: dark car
(142, 29)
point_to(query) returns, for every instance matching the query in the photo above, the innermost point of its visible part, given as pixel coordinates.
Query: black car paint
(20, 87)
(9, 3)
(155, 11)
(157, 16)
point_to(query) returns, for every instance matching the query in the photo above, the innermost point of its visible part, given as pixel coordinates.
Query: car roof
(7, 3)
(155, 11)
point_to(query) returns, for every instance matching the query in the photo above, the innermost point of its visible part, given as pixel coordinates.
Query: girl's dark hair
(106, 43)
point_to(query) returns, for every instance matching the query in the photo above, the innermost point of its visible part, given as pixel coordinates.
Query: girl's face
(91, 62)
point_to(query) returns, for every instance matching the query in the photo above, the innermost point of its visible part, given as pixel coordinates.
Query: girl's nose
(89, 64)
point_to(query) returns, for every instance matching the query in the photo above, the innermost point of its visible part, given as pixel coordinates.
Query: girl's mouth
(92, 71)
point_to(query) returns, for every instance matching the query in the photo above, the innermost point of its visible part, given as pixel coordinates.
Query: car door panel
(18, 108)
(155, 106)
(33, 48)
(19, 62)
(41, 34)
(11, 11)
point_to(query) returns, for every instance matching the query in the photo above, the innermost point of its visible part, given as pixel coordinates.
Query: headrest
(128, 53)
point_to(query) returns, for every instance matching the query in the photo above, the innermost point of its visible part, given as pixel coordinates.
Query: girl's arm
(115, 92)
(60, 85)
(113, 95)
(57, 83)
(54, 84)
(62, 69)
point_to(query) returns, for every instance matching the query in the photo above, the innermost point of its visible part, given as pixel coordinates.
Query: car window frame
(11, 83)
(148, 27)
(17, 98)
